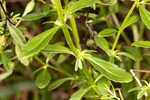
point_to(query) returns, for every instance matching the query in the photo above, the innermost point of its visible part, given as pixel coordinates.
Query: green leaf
(8, 65)
(16, 34)
(103, 84)
(35, 16)
(80, 4)
(102, 43)
(145, 15)
(134, 51)
(29, 7)
(19, 55)
(109, 70)
(19, 41)
(144, 44)
(107, 32)
(5, 61)
(131, 20)
(57, 48)
(59, 82)
(79, 94)
(142, 92)
(5, 75)
(38, 43)
(128, 55)
(43, 78)
(78, 64)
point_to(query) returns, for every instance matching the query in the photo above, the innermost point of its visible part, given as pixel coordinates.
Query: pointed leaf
(16, 34)
(35, 16)
(79, 94)
(131, 20)
(59, 82)
(5, 61)
(38, 43)
(109, 70)
(128, 55)
(145, 15)
(80, 4)
(102, 43)
(29, 7)
(134, 51)
(78, 64)
(56, 48)
(107, 32)
(19, 53)
(144, 44)
(42, 79)
(5, 75)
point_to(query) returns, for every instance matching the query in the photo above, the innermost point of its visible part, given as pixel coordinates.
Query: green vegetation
(94, 49)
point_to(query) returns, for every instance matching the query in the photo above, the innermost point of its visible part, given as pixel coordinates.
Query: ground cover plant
(75, 50)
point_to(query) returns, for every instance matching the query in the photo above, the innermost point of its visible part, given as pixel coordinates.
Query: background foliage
(74, 50)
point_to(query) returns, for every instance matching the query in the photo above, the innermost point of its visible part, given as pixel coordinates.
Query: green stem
(141, 31)
(137, 66)
(54, 68)
(135, 33)
(75, 31)
(124, 22)
(118, 25)
(64, 27)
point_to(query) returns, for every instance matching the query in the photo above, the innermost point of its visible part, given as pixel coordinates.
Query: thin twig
(7, 17)
(141, 70)
(138, 81)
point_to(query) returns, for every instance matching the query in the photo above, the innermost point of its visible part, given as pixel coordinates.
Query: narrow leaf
(29, 7)
(38, 42)
(128, 55)
(57, 83)
(56, 48)
(16, 34)
(131, 20)
(107, 32)
(78, 64)
(19, 55)
(42, 79)
(5, 61)
(79, 94)
(5, 75)
(109, 70)
(145, 15)
(35, 16)
(102, 43)
(144, 44)
(80, 4)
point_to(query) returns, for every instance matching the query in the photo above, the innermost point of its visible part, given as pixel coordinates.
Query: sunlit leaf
(39, 42)
(145, 15)
(80, 4)
(131, 20)
(109, 70)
